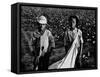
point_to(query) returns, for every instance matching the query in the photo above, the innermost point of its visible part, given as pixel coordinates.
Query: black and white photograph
(53, 37)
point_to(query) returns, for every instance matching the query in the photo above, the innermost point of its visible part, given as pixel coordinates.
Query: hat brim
(42, 22)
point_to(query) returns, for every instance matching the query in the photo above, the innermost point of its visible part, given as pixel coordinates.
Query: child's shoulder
(68, 31)
(48, 32)
(79, 31)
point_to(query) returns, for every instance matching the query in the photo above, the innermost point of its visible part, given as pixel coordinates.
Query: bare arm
(51, 42)
(81, 49)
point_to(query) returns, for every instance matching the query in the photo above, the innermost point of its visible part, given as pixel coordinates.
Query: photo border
(51, 6)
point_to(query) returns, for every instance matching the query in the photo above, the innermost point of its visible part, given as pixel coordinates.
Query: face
(73, 23)
(42, 26)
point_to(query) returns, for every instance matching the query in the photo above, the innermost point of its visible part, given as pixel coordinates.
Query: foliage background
(58, 23)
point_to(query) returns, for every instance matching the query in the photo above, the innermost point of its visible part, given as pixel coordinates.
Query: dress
(69, 60)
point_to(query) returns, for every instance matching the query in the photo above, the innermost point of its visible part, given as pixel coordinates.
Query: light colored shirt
(46, 39)
(71, 35)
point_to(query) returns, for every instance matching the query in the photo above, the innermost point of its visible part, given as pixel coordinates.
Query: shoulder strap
(77, 35)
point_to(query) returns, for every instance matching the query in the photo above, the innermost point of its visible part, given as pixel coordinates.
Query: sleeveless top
(44, 40)
(71, 35)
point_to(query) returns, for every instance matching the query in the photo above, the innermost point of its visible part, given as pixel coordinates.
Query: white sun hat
(42, 20)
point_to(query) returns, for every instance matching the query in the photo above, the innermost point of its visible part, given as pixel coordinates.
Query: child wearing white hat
(46, 43)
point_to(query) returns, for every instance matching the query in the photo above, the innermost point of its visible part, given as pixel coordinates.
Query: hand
(31, 49)
(42, 53)
(51, 49)
(36, 34)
